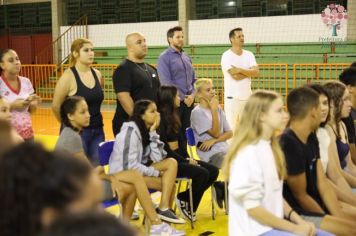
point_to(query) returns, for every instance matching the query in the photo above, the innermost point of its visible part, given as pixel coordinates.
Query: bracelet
(290, 214)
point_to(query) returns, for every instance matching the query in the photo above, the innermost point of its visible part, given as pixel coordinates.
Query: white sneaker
(164, 229)
(135, 215)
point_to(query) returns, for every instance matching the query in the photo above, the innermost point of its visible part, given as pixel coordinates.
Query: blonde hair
(76, 46)
(200, 82)
(250, 131)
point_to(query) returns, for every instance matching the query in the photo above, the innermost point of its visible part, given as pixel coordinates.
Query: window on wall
(121, 11)
(214, 9)
(2, 17)
(277, 7)
(26, 18)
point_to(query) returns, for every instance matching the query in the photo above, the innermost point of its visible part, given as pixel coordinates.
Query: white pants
(233, 108)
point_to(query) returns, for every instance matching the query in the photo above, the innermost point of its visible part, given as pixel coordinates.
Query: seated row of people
(309, 159)
(138, 147)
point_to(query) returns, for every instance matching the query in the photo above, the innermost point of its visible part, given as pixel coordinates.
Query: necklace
(145, 70)
(147, 73)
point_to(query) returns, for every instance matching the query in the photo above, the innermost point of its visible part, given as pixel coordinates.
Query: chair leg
(191, 202)
(226, 198)
(146, 223)
(212, 202)
(178, 191)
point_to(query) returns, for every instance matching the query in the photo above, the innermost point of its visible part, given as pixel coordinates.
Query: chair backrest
(105, 150)
(191, 145)
(189, 134)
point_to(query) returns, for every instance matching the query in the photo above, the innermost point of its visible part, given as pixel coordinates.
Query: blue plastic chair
(192, 152)
(105, 150)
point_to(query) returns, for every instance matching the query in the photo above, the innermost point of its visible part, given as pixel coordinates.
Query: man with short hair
(175, 68)
(348, 77)
(238, 66)
(306, 188)
(133, 80)
(211, 129)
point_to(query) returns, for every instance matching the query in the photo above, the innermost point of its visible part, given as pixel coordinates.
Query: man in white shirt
(238, 66)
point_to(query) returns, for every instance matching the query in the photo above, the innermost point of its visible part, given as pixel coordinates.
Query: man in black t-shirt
(133, 80)
(306, 188)
(302, 158)
(348, 77)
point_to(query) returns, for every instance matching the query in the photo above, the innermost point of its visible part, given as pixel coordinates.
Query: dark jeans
(203, 176)
(91, 137)
(184, 113)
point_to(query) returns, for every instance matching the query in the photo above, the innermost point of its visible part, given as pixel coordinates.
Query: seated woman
(340, 180)
(255, 168)
(202, 174)
(125, 184)
(340, 107)
(137, 146)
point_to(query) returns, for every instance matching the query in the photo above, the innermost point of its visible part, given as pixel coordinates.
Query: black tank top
(93, 96)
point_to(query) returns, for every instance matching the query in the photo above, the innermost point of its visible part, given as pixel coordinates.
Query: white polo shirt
(237, 89)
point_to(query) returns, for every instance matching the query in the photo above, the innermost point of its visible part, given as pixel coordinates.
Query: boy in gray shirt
(211, 129)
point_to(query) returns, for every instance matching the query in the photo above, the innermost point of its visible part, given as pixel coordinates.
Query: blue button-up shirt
(175, 68)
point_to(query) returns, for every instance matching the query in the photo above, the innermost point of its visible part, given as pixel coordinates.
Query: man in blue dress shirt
(175, 68)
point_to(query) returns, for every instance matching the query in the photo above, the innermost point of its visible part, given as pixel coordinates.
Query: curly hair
(169, 113)
(32, 179)
(336, 91)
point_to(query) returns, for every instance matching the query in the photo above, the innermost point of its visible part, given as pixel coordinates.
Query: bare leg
(156, 184)
(337, 226)
(349, 211)
(128, 200)
(137, 181)
(169, 168)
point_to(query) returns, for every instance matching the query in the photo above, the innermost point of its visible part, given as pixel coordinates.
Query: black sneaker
(188, 215)
(169, 216)
(218, 195)
(184, 209)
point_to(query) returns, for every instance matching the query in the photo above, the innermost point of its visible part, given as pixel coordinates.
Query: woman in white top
(19, 92)
(256, 169)
(341, 181)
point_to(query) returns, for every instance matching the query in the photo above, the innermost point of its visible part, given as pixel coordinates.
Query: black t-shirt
(140, 80)
(180, 155)
(350, 126)
(301, 158)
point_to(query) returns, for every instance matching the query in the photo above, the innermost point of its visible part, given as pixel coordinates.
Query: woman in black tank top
(82, 80)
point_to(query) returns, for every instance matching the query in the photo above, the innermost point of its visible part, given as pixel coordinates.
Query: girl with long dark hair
(203, 175)
(138, 147)
(126, 184)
